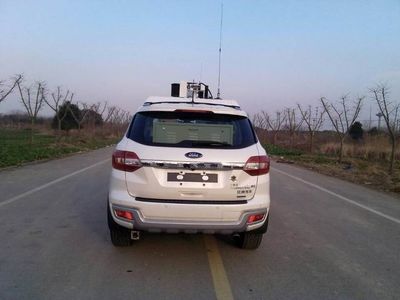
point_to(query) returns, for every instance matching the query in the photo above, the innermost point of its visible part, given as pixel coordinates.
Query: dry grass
(365, 162)
(372, 148)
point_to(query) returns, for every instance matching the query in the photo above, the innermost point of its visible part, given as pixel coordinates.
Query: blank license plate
(192, 177)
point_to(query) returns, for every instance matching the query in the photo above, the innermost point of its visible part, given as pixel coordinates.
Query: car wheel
(250, 240)
(120, 236)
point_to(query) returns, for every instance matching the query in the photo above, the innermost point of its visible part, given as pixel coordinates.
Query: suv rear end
(189, 167)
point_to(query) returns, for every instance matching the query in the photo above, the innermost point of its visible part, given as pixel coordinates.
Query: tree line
(341, 114)
(68, 112)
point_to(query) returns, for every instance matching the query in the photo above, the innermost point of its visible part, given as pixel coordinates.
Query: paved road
(328, 239)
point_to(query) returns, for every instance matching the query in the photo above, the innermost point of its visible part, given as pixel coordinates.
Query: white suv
(192, 166)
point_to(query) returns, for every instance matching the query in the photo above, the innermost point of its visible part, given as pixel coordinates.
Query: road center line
(340, 196)
(220, 280)
(11, 200)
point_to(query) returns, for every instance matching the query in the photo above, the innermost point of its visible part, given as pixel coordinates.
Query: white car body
(169, 192)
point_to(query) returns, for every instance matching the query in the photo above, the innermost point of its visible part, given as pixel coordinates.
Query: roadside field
(369, 172)
(16, 147)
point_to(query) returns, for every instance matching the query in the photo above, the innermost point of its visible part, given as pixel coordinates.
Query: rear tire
(250, 240)
(120, 236)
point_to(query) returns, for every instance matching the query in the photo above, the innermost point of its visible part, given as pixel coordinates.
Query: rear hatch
(191, 156)
(168, 174)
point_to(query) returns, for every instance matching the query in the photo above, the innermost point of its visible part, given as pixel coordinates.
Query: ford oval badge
(193, 155)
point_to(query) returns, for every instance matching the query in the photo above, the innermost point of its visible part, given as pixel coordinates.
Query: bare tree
(120, 120)
(100, 108)
(342, 116)
(125, 120)
(59, 100)
(116, 120)
(116, 116)
(292, 123)
(110, 112)
(5, 91)
(260, 126)
(32, 99)
(128, 119)
(390, 114)
(313, 121)
(79, 119)
(274, 124)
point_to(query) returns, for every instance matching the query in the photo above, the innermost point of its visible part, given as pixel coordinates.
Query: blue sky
(275, 53)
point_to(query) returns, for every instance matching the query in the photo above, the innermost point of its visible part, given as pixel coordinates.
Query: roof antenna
(220, 46)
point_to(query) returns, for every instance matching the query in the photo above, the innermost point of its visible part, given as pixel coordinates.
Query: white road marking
(340, 196)
(11, 200)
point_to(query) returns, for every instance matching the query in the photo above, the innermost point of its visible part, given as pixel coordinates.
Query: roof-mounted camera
(186, 89)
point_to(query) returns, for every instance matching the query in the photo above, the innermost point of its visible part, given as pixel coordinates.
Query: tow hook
(135, 235)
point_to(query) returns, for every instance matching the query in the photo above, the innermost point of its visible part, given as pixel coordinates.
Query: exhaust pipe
(135, 235)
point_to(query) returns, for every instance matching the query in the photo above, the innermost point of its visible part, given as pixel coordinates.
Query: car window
(188, 129)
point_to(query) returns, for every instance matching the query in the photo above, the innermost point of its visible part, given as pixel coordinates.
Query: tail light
(124, 214)
(255, 218)
(257, 165)
(125, 161)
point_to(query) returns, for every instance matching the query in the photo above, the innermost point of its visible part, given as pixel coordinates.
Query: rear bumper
(176, 226)
(197, 215)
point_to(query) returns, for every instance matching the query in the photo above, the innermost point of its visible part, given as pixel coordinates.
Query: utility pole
(379, 115)
(370, 117)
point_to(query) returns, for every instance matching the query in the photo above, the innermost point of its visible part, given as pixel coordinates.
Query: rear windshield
(189, 130)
